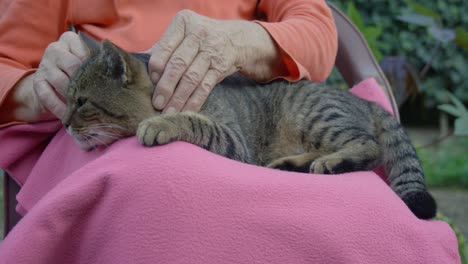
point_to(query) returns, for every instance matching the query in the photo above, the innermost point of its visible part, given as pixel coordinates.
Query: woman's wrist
(22, 104)
(259, 57)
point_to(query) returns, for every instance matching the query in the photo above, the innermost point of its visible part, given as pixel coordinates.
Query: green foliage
(459, 111)
(370, 33)
(446, 166)
(418, 43)
(422, 9)
(461, 37)
(458, 233)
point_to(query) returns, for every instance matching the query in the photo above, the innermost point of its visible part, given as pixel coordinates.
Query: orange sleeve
(27, 28)
(305, 32)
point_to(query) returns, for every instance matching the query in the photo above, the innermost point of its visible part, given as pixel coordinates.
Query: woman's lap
(181, 204)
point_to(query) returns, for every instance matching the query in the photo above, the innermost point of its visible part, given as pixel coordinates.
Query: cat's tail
(402, 167)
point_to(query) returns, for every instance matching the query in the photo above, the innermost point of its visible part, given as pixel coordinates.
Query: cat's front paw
(157, 131)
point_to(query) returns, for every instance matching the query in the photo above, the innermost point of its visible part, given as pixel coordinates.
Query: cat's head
(108, 96)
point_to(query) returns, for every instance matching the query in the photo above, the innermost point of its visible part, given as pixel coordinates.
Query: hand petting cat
(196, 52)
(41, 95)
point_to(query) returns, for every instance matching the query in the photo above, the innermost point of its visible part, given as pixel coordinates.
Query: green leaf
(450, 109)
(372, 32)
(422, 10)
(461, 37)
(461, 126)
(354, 15)
(417, 19)
(459, 105)
(442, 35)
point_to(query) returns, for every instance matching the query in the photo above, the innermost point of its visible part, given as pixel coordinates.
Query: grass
(445, 165)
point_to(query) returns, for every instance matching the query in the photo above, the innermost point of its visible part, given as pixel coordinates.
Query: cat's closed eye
(80, 102)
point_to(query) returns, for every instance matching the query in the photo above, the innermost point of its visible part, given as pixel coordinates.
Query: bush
(398, 38)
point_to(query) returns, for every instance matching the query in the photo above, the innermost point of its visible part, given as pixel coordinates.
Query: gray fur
(300, 126)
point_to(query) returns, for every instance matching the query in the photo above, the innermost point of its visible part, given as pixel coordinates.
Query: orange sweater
(303, 29)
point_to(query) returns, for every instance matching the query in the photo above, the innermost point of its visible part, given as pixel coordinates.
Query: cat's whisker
(97, 139)
(107, 125)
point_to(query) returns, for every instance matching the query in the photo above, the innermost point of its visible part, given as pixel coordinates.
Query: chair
(354, 61)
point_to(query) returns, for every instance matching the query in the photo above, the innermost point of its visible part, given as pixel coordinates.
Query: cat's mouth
(90, 140)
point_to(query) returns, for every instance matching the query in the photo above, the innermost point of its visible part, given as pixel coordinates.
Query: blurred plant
(402, 76)
(459, 111)
(415, 44)
(432, 21)
(370, 33)
(445, 164)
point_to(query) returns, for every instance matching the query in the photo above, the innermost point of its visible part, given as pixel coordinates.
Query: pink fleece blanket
(181, 204)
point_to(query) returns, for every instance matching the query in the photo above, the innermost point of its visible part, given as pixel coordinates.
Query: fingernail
(159, 102)
(154, 77)
(170, 110)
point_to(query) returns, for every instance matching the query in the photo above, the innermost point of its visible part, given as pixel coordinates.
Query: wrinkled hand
(197, 52)
(60, 60)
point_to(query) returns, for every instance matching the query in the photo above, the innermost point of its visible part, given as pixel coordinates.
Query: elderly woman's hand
(40, 95)
(61, 59)
(197, 52)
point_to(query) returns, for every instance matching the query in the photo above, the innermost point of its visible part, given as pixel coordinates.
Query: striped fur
(299, 126)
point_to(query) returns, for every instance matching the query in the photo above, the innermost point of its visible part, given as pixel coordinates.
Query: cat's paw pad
(288, 164)
(157, 131)
(335, 165)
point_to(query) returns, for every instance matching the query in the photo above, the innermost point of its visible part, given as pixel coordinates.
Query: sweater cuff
(10, 76)
(295, 71)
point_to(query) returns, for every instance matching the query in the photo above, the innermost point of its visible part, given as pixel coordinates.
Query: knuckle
(198, 99)
(178, 101)
(206, 87)
(191, 78)
(200, 32)
(163, 47)
(67, 36)
(56, 79)
(219, 64)
(178, 63)
(184, 13)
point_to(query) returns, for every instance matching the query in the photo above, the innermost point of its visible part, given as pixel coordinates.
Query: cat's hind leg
(360, 154)
(297, 163)
(196, 129)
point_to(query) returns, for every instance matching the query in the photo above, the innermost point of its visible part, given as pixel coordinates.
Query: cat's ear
(115, 60)
(92, 46)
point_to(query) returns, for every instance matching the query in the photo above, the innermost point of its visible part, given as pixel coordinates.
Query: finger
(68, 63)
(49, 98)
(179, 62)
(189, 82)
(199, 96)
(162, 51)
(74, 45)
(57, 79)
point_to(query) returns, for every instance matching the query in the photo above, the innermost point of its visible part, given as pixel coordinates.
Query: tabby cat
(301, 126)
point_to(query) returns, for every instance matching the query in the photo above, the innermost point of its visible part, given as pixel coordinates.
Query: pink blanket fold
(181, 204)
